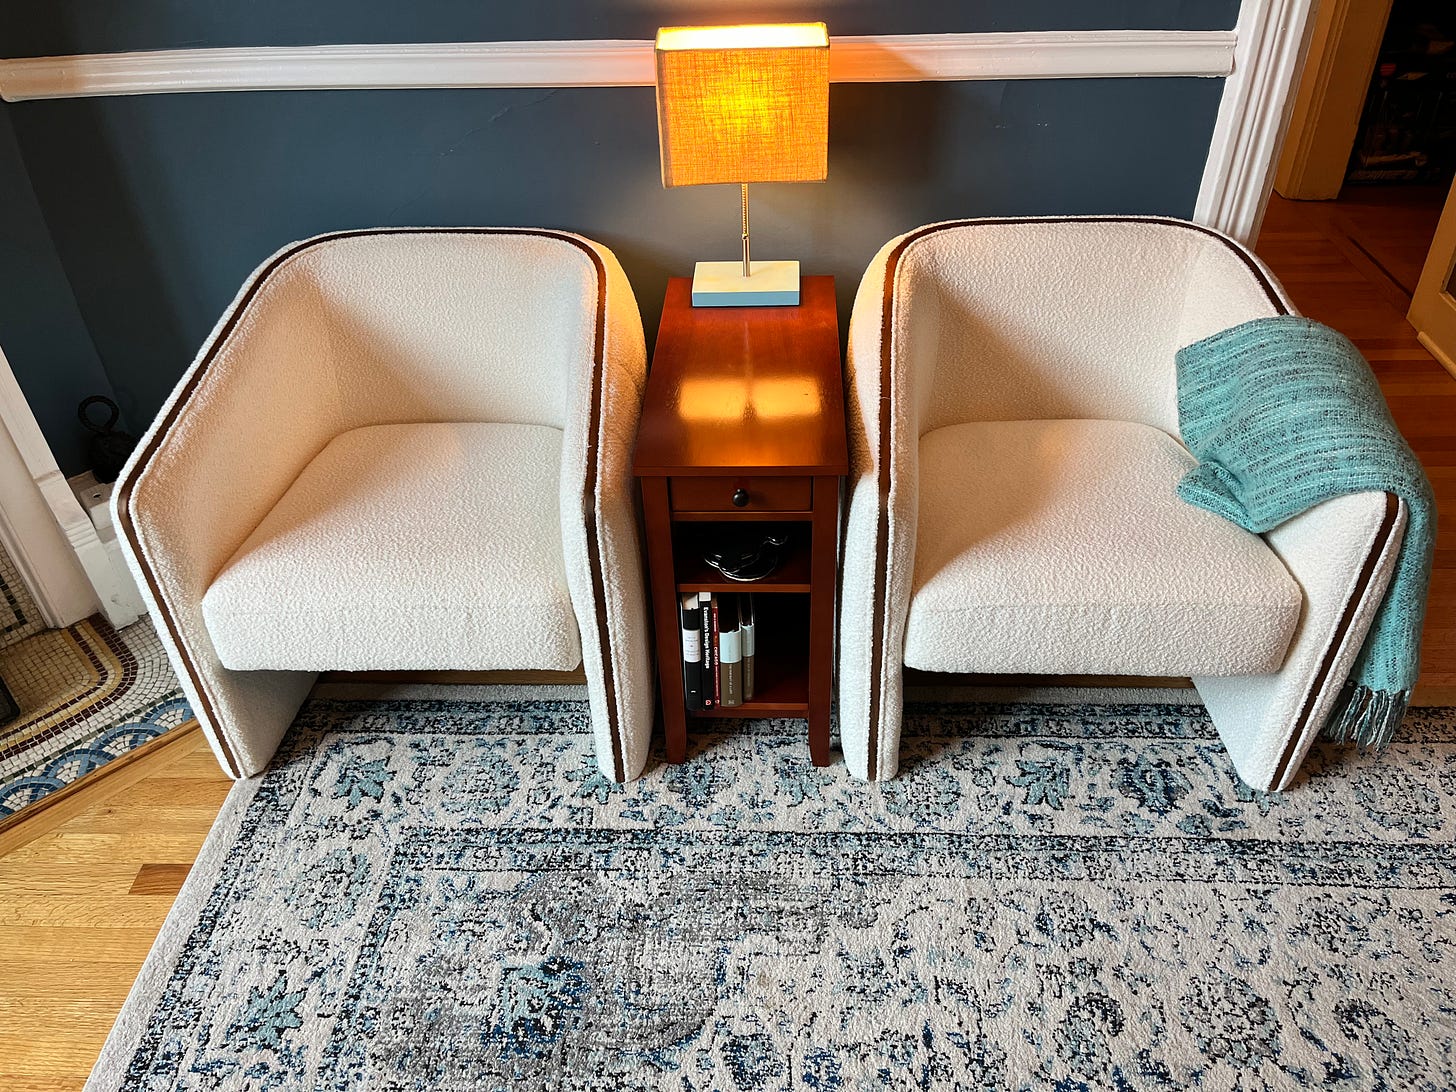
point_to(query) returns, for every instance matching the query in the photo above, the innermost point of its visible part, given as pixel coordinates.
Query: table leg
(657, 518)
(822, 584)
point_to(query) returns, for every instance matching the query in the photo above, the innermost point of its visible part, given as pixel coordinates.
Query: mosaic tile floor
(19, 616)
(87, 694)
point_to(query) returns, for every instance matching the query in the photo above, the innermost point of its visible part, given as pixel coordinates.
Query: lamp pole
(745, 230)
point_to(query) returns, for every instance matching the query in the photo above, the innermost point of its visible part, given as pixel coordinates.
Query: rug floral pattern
(442, 895)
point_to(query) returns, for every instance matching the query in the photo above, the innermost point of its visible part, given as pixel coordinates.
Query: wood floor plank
(35, 984)
(72, 1055)
(118, 818)
(137, 847)
(84, 912)
(200, 763)
(55, 809)
(13, 1081)
(58, 945)
(98, 878)
(178, 792)
(159, 879)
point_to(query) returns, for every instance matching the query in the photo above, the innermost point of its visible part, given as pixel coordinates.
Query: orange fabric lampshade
(743, 104)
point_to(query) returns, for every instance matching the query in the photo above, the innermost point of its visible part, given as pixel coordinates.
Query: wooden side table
(743, 427)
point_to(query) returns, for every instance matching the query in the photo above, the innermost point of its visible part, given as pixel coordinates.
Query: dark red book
(717, 665)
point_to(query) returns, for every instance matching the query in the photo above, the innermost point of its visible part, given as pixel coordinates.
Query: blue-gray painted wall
(159, 206)
(41, 328)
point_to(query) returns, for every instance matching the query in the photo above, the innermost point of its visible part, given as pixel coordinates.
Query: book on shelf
(747, 628)
(730, 650)
(710, 650)
(692, 652)
(719, 649)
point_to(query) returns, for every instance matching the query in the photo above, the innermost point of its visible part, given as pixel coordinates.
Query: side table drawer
(751, 494)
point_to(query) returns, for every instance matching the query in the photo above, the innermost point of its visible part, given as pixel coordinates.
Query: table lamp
(743, 104)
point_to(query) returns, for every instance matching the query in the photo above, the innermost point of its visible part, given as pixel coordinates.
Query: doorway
(87, 677)
(1371, 153)
(1433, 300)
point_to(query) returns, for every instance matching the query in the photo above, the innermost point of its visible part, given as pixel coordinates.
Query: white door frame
(43, 526)
(1271, 38)
(1433, 306)
(1344, 43)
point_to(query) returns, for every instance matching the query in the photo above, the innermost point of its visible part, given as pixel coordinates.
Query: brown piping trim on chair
(887, 316)
(1352, 606)
(126, 487)
(589, 514)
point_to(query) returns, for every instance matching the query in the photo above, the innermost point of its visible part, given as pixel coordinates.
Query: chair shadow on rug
(934, 728)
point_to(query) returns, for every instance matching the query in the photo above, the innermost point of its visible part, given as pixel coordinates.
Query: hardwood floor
(1390, 226)
(1347, 263)
(85, 885)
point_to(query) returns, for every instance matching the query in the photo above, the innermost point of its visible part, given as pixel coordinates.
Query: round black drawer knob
(740, 498)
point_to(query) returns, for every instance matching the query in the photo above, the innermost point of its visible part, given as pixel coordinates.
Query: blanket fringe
(1367, 717)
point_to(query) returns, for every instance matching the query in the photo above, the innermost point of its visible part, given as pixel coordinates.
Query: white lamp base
(769, 284)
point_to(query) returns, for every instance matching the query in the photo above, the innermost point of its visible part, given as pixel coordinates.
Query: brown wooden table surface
(739, 388)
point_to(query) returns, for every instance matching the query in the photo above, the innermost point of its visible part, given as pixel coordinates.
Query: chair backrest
(450, 325)
(1065, 318)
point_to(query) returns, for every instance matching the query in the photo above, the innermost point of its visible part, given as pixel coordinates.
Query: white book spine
(692, 638)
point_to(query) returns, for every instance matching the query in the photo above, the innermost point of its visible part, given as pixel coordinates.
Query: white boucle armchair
(1014, 454)
(401, 449)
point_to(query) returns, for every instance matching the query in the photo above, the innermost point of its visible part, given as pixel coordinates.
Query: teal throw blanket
(1284, 413)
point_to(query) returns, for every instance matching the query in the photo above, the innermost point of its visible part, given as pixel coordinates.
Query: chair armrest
(236, 432)
(599, 521)
(1342, 553)
(878, 549)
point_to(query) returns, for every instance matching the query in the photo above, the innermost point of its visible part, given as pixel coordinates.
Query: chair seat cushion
(1060, 547)
(417, 546)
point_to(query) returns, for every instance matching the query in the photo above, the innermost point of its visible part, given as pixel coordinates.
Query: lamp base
(722, 284)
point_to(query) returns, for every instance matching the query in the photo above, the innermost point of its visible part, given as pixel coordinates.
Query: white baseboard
(51, 538)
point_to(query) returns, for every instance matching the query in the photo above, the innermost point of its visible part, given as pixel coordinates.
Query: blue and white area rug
(448, 895)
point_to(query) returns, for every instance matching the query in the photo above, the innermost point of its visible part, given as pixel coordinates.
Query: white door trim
(1271, 39)
(44, 527)
(1433, 305)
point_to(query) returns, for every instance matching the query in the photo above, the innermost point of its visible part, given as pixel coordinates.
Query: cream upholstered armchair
(401, 449)
(1014, 448)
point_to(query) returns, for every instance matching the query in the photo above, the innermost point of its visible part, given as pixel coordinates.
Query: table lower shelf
(756, 708)
(781, 662)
